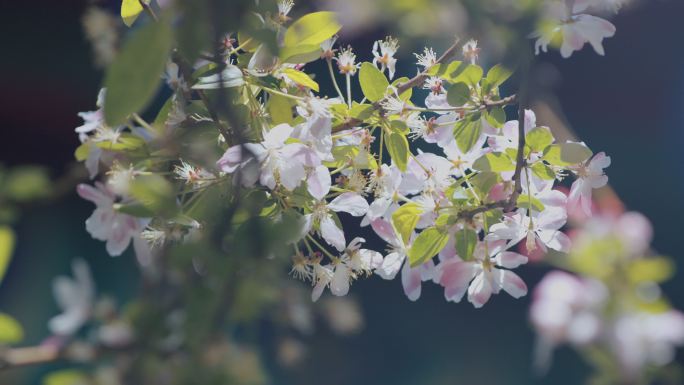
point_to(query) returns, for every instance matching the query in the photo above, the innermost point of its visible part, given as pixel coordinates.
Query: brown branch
(520, 161)
(32, 355)
(149, 10)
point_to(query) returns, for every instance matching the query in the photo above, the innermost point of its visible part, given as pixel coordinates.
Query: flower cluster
(613, 303)
(450, 208)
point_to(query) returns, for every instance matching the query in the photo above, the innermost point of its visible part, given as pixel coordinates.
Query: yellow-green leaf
(7, 240)
(130, 10)
(405, 219)
(11, 331)
(398, 148)
(655, 269)
(65, 377)
(373, 82)
(301, 78)
(566, 154)
(426, 245)
(313, 28)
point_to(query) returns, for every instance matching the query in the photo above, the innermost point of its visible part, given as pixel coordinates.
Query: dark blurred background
(628, 103)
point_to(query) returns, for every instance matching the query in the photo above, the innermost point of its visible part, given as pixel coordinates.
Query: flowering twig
(401, 88)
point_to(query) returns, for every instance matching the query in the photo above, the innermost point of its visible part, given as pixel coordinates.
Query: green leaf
(66, 377)
(130, 10)
(491, 217)
(26, 183)
(134, 209)
(313, 28)
(300, 54)
(406, 95)
(466, 240)
(300, 78)
(485, 180)
(458, 94)
(566, 154)
(496, 117)
(125, 142)
(405, 219)
(538, 139)
(451, 71)
(467, 132)
(426, 245)
(497, 75)
(543, 171)
(398, 148)
(361, 111)
(155, 193)
(134, 76)
(373, 82)
(494, 161)
(399, 126)
(653, 269)
(82, 152)
(11, 331)
(280, 109)
(529, 202)
(471, 74)
(7, 241)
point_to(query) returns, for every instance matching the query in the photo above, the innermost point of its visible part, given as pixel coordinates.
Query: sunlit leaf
(373, 82)
(300, 78)
(7, 241)
(398, 148)
(405, 219)
(130, 10)
(11, 330)
(426, 245)
(313, 28)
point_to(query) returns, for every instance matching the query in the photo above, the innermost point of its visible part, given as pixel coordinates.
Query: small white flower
(196, 176)
(383, 52)
(394, 105)
(120, 178)
(346, 62)
(107, 224)
(321, 217)
(575, 32)
(427, 59)
(75, 298)
(589, 176)
(471, 51)
(284, 8)
(327, 50)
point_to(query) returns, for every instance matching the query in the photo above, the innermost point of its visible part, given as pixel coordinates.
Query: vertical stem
(349, 98)
(334, 79)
